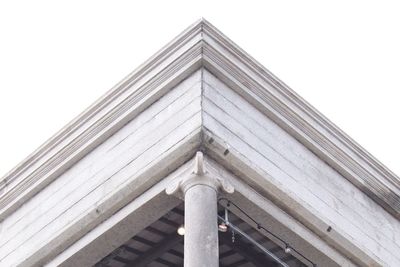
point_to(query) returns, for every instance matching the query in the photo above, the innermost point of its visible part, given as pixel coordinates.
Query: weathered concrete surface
(200, 190)
(201, 231)
(301, 182)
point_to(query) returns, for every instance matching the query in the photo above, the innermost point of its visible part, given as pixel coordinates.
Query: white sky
(58, 57)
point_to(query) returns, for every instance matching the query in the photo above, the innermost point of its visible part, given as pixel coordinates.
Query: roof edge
(199, 45)
(150, 81)
(275, 99)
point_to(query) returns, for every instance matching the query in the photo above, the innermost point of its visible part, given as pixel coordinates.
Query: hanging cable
(254, 242)
(287, 247)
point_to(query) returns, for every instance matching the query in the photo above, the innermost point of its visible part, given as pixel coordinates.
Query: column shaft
(201, 230)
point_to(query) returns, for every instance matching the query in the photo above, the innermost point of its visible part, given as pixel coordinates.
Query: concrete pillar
(201, 228)
(200, 192)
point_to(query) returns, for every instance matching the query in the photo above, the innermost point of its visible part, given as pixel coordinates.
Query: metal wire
(259, 226)
(254, 242)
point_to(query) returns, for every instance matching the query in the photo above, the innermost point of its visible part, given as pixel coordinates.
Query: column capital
(199, 176)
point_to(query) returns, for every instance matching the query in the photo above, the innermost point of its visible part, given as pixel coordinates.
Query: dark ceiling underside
(159, 245)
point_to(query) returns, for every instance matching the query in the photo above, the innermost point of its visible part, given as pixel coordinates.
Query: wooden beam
(156, 251)
(169, 222)
(226, 254)
(247, 252)
(131, 250)
(143, 241)
(167, 263)
(238, 263)
(154, 230)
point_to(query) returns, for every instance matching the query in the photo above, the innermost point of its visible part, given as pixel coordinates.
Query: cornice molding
(275, 99)
(201, 45)
(136, 92)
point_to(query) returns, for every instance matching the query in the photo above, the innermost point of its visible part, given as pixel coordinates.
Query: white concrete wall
(301, 182)
(103, 181)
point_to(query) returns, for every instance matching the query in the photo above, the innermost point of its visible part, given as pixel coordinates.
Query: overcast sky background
(58, 57)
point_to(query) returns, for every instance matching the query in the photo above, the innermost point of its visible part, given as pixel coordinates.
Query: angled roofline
(112, 111)
(200, 45)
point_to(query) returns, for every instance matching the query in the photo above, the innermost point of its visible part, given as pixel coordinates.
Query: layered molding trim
(111, 112)
(201, 45)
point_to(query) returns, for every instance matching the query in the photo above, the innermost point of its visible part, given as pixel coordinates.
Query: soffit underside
(159, 245)
(120, 232)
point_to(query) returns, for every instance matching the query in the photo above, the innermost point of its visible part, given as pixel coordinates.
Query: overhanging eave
(203, 47)
(200, 45)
